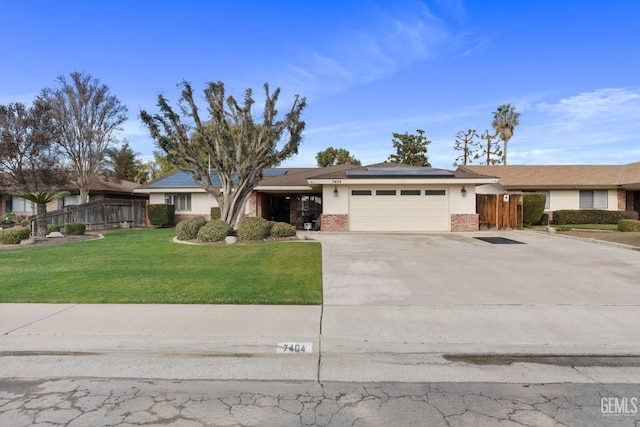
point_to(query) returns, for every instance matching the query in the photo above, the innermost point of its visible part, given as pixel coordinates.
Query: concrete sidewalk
(241, 343)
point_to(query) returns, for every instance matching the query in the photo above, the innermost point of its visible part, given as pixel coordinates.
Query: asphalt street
(118, 402)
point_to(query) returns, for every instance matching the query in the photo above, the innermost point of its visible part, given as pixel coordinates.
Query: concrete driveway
(456, 269)
(451, 293)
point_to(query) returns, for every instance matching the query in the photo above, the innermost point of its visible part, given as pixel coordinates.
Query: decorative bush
(282, 229)
(74, 229)
(8, 221)
(629, 225)
(52, 227)
(214, 231)
(161, 215)
(533, 207)
(215, 213)
(254, 228)
(188, 229)
(591, 216)
(13, 236)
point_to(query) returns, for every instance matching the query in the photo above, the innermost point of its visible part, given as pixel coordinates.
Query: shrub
(74, 229)
(629, 225)
(254, 228)
(13, 236)
(188, 229)
(282, 229)
(52, 227)
(591, 216)
(161, 215)
(214, 231)
(532, 207)
(215, 213)
(9, 220)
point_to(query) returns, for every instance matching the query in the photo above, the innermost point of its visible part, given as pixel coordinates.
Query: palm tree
(504, 121)
(41, 198)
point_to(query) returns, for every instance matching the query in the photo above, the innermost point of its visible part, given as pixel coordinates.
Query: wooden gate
(499, 211)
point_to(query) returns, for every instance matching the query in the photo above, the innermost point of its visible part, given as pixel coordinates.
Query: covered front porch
(296, 209)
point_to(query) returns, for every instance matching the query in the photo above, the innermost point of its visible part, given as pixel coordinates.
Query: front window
(308, 208)
(18, 204)
(594, 199)
(182, 202)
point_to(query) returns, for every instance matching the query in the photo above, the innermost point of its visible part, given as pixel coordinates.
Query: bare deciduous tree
(29, 161)
(88, 117)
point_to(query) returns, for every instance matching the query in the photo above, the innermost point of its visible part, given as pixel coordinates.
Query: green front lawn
(145, 266)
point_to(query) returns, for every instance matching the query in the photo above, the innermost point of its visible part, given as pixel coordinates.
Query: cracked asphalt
(119, 402)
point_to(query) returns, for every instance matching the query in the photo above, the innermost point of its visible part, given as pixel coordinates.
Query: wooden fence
(102, 214)
(499, 211)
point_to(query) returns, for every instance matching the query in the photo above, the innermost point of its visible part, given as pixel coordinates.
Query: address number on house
(294, 347)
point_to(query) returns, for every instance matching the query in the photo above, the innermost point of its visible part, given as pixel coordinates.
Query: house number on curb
(294, 347)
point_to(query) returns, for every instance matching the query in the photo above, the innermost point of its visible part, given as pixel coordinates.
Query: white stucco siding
(570, 199)
(461, 204)
(332, 204)
(201, 203)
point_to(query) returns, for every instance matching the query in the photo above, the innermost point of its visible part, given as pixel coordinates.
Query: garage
(386, 208)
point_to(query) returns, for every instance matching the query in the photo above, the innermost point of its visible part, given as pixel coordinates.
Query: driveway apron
(451, 293)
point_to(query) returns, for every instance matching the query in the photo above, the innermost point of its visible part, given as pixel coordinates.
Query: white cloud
(377, 48)
(595, 127)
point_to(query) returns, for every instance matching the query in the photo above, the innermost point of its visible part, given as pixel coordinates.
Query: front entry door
(281, 208)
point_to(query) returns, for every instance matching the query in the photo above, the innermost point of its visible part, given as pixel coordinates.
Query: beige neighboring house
(382, 197)
(608, 187)
(105, 188)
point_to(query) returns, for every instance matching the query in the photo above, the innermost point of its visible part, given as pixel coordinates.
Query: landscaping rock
(27, 242)
(231, 240)
(55, 235)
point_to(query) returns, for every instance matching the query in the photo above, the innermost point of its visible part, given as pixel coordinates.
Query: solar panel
(422, 172)
(184, 179)
(274, 172)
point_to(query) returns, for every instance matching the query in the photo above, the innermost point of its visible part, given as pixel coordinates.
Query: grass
(607, 227)
(145, 266)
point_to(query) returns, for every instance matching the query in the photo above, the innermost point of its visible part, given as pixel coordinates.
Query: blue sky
(367, 68)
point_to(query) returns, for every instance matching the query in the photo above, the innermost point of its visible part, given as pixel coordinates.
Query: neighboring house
(380, 197)
(105, 188)
(609, 187)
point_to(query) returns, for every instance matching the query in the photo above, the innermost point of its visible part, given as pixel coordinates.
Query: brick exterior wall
(293, 213)
(630, 201)
(334, 222)
(465, 222)
(622, 200)
(252, 204)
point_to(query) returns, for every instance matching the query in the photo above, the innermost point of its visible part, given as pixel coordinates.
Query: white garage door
(399, 209)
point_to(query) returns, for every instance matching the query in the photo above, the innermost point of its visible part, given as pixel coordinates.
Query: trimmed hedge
(160, 214)
(52, 227)
(254, 228)
(188, 229)
(13, 236)
(214, 231)
(74, 229)
(282, 229)
(591, 216)
(533, 207)
(215, 213)
(629, 225)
